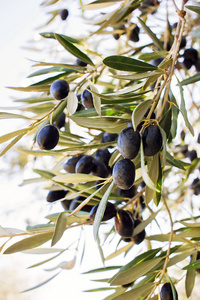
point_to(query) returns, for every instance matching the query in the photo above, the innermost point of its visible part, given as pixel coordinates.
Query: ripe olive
(76, 202)
(124, 173)
(130, 193)
(64, 14)
(124, 223)
(134, 35)
(129, 142)
(80, 63)
(60, 121)
(100, 169)
(166, 292)
(52, 196)
(87, 99)
(152, 140)
(70, 165)
(48, 137)
(109, 137)
(103, 155)
(138, 238)
(59, 89)
(192, 155)
(109, 213)
(85, 164)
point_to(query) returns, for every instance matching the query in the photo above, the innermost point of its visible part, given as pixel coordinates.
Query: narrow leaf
(76, 178)
(193, 8)
(190, 80)
(190, 278)
(150, 33)
(100, 210)
(124, 63)
(96, 99)
(140, 111)
(73, 49)
(60, 228)
(183, 110)
(72, 103)
(145, 175)
(30, 242)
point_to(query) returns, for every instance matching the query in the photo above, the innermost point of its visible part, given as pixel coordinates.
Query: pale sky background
(19, 18)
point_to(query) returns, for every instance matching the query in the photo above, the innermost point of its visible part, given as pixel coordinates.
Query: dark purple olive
(100, 169)
(87, 99)
(53, 196)
(124, 173)
(70, 165)
(134, 35)
(152, 140)
(103, 155)
(192, 155)
(85, 164)
(129, 142)
(80, 63)
(77, 201)
(124, 223)
(48, 137)
(109, 213)
(130, 193)
(60, 121)
(64, 14)
(109, 137)
(59, 89)
(138, 238)
(166, 292)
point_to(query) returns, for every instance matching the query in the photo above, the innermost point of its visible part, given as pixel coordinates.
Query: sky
(19, 18)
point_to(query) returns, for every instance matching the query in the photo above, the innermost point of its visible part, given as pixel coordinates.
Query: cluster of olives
(48, 136)
(166, 292)
(133, 35)
(128, 143)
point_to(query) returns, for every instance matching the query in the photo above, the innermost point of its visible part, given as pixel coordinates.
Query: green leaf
(30, 242)
(173, 161)
(60, 228)
(72, 103)
(152, 35)
(190, 80)
(5, 115)
(126, 270)
(124, 63)
(140, 111)
(120, 251)
(73, 49)
(190, 278)
(193, 265)
(51, 35)
(96, 99)
(100, 210)
(144, 223)
(136, 293)
(145, 175)
(152, 55)
(31, 88)
(100, 4)
(138, 76)
(193, 8)
(183, 110)
(153, 170)
(44, 174)
(76, 178)
(136, 271)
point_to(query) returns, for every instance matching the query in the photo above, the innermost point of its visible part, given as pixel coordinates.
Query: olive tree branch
(168, 250)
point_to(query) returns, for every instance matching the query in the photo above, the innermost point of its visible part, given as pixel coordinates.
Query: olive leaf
(124, 63)
(73, 49)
